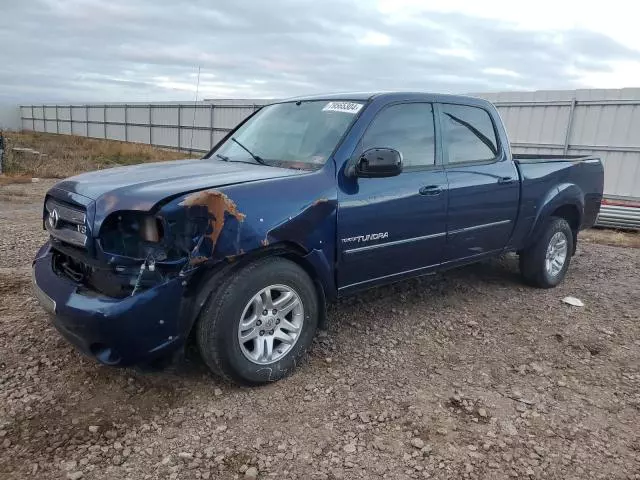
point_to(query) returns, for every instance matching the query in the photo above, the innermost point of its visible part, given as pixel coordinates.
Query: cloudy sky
(150, 50)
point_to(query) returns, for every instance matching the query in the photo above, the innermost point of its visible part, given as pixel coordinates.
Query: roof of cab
(390, 97)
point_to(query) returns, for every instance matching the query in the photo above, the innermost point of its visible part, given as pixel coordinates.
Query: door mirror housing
(378, 163)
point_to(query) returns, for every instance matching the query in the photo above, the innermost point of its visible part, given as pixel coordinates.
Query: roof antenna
(193, 124)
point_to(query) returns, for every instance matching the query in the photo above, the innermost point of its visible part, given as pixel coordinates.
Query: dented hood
(140, 187)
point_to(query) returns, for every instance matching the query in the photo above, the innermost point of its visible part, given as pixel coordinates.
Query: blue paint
(418, 222)
(136, 328)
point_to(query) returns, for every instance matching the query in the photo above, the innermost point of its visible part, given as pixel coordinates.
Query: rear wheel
(258, 324)
(545, 263)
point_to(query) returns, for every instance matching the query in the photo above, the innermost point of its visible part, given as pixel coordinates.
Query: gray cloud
(90, 50)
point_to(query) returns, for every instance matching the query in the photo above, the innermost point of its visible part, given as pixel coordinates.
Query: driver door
(394, 227)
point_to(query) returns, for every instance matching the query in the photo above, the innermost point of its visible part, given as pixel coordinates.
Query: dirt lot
(464, 375)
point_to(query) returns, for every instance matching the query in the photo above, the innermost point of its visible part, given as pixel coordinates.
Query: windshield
(293, 134)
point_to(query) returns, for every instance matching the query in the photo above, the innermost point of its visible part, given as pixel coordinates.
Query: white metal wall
(9, 117)
(605, 123)
(174, 125)
(600, 122)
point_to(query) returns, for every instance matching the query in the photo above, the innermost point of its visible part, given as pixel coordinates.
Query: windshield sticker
(345, 107)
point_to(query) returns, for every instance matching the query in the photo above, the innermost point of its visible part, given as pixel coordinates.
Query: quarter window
(468, 134)
(408, 128)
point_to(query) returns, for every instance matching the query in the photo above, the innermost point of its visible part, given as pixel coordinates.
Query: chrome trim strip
(478, 227)
(68, 214)
(395, 242)
(388, 276)
(67, 235)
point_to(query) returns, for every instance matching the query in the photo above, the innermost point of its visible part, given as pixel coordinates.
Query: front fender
(223, 224)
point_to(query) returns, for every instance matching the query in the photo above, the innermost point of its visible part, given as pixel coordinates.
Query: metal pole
(104, 119)
(57, 120)
(126, 124)
(211, 125)
(71, 119)
(179, 126)
(33, 119)
(150, 127)
(567, 135)
(86, 120)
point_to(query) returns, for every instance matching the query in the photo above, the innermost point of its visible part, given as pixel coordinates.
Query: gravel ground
(463, 375)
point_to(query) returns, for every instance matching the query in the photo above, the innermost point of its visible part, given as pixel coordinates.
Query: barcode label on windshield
(345, 107)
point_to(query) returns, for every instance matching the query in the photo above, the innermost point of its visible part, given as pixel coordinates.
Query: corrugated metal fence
(195, 126)
(9, 116)
(600, 122)
(605, 123)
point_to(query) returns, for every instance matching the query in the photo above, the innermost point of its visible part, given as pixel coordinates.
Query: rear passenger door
(483, 184)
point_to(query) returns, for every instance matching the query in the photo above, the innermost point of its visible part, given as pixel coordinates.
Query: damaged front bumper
(116, 331)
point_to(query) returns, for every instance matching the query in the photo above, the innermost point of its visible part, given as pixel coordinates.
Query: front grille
(66, 223)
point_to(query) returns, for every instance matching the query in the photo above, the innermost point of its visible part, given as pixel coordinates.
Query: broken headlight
(133, 234)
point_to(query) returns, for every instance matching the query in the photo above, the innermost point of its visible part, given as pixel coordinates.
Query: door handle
(505, 180)
(430, 190)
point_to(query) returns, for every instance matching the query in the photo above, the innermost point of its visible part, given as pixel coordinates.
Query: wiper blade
(257, 158)
(222, 157)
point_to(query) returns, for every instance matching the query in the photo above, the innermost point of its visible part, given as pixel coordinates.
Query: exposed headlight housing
(132, 234)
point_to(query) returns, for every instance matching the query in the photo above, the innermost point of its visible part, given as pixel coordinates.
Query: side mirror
(378, 163)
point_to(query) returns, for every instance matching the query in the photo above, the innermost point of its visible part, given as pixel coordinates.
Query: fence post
(567, 135)
(57, 120)
(71, 119)
(126, 124)
(86, 120)
(33, 119)
(104, 120)
(150, 126)
(211, 125)
(179, 125)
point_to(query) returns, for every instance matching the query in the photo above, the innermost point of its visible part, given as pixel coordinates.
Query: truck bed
(560, 176)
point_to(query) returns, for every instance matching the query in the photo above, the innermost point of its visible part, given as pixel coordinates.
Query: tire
(217, 330)
(534, 267)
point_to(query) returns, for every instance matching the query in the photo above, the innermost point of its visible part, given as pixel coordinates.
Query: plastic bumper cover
(115, 331)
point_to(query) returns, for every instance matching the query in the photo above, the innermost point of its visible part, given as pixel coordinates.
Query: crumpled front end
(115, 330)
(126, 293)
(119, 296)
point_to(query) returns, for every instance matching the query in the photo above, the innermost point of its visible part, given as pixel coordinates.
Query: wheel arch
(567, 202)
(207, 278)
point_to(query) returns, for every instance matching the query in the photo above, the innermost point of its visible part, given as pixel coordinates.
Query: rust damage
(217, 204)
(197, 260)
(319, 201)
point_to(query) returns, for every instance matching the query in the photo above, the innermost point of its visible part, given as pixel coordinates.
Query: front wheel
(259, 323)
(544, 264)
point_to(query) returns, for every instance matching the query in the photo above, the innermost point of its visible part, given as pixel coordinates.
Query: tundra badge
(366, 238)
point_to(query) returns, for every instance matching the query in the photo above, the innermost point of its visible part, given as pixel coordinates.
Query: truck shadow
(501, 271)
(458, 282)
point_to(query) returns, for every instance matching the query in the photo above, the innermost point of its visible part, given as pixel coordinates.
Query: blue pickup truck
(305, 201)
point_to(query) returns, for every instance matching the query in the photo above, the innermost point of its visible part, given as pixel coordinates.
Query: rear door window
(468, 133)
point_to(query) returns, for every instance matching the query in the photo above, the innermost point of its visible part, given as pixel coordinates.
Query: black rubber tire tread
(532, 259)
(216, 327)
